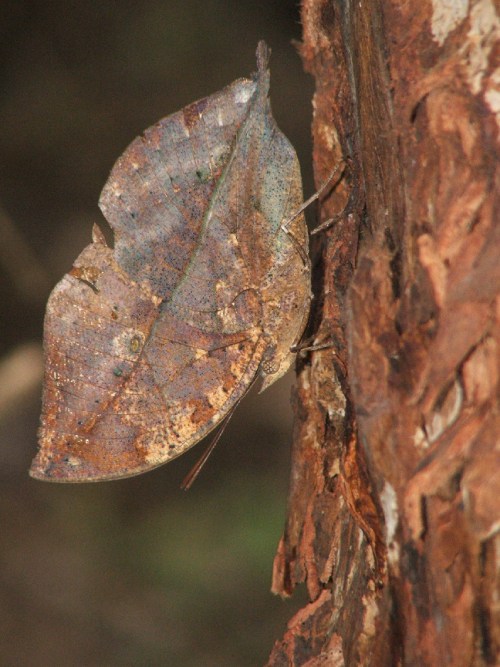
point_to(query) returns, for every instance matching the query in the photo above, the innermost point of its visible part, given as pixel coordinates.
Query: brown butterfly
(150, 344)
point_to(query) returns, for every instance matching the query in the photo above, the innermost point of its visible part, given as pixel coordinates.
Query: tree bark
(394, 506)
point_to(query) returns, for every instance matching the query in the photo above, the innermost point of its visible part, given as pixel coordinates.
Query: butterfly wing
(150, 344)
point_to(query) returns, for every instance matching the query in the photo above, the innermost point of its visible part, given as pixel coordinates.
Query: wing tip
(263, 54)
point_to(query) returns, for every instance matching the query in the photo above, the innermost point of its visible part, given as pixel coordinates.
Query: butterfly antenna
(188, 480)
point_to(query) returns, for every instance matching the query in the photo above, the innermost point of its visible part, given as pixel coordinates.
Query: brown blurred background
(134, 572)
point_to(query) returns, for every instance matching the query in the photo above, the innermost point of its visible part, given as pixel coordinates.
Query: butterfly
(151, 343)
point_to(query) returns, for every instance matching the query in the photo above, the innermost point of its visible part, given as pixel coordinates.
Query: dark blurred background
(133, 572)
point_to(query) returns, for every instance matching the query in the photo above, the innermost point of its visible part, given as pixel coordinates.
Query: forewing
(138, 368)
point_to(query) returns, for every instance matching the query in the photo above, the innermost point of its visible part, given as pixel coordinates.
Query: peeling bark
(394, 506)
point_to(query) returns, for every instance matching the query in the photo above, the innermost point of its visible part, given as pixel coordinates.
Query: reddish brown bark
(395, 488)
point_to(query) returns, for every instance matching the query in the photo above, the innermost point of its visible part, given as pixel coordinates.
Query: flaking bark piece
(149, 345)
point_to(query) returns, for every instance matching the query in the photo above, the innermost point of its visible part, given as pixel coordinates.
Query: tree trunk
(394, 507)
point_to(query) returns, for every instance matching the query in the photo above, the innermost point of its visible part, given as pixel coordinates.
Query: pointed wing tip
(38, 471)
(34, 473)
(40, 476)
(61, 474)
(46, 468)
(70, 470)
(263, 54)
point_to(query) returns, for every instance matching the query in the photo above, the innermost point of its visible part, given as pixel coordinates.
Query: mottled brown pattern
(149, 345)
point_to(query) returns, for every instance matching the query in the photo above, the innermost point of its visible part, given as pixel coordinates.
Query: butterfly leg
(339, 167)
